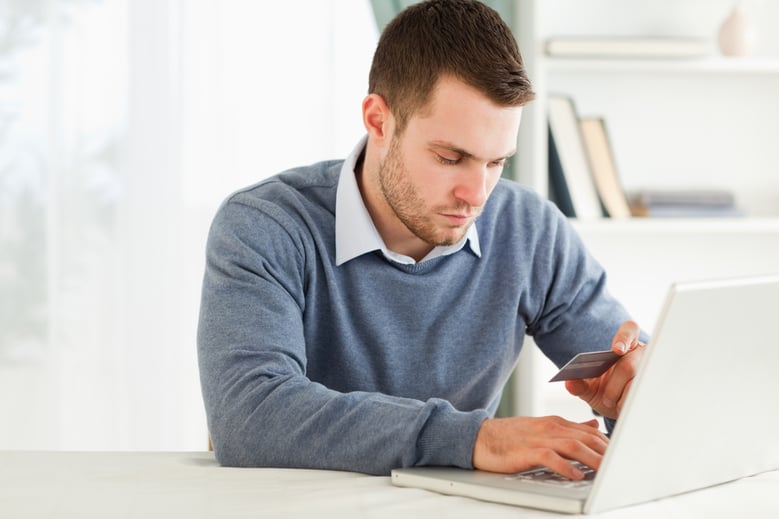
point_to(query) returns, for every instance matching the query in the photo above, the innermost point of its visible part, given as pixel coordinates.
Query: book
(574, 168)
(656, 47)
(603, 167)
(683, 203)
(686, 211)
(558, 189)
(695, 197)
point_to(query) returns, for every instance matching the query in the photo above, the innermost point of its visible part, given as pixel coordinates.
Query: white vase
(736, 35)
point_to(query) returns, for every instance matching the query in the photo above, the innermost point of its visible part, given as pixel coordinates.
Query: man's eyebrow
(464, 153)
(451, 147)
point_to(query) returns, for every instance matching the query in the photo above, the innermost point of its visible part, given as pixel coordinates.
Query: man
(365, 314)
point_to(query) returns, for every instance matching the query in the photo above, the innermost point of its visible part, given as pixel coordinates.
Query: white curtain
(123, 124)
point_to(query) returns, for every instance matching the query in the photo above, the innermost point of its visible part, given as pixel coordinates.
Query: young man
(365, 314)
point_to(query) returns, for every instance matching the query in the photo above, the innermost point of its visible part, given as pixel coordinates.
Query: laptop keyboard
(544, 476)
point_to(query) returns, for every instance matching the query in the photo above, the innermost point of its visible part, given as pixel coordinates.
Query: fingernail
(577, 474)
(622, 347)
(608, 403)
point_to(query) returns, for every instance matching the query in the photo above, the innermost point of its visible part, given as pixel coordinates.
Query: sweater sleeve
(262, 410)
(577, 312)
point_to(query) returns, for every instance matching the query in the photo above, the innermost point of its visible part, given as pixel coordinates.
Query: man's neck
(396, 236)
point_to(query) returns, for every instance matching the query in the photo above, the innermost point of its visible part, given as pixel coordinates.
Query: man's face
(437, 175)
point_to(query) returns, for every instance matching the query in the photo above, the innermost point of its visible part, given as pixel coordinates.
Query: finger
(552, 460)
(584, 434)
(558, 453)
(626, 337)
(587, 449)
(520, 443)
(621, 402)
(597, 441)
(585, 389)
(619, 378)
(591, 423)
(578, 387)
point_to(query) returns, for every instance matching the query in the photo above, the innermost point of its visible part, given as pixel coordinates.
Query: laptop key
(544, 476)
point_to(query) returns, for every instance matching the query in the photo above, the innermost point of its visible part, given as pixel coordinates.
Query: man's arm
(577, 314)
(520, 443)
(262, 409)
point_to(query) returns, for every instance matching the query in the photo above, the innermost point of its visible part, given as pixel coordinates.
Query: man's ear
(376, 118)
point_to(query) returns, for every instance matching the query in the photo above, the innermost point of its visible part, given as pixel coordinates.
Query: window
(123, 125)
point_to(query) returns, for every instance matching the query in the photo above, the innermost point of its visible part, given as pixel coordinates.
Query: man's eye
(447, 161)
(498, 163)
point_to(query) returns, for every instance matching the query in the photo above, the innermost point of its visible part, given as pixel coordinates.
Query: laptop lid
(698, 413)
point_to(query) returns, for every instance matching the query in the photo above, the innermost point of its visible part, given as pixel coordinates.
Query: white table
(191, 485)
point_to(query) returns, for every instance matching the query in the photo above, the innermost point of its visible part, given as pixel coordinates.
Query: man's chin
(449, 239)
(441, 235)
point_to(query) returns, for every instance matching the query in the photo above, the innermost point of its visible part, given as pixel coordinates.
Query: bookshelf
(709, 122)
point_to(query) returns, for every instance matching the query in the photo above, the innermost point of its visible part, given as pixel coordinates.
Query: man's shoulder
(301, 201)
(297, 183)
(510, 195)
(517, 214)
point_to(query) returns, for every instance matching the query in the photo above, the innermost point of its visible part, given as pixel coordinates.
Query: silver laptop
(701, 411)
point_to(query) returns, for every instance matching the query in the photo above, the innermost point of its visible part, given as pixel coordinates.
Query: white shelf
(721, 226)
(675, 122)
(714, 65)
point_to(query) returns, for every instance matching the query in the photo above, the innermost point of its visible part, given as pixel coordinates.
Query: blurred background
(123, 125)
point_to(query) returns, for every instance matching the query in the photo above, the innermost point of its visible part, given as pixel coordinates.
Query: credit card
(587, 365)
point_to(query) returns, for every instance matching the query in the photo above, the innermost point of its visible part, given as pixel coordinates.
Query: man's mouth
(458, 219)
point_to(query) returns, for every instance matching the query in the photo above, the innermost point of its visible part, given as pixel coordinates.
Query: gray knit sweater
(373, 365)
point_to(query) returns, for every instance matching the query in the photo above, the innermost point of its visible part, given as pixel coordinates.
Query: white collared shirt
(355, 233)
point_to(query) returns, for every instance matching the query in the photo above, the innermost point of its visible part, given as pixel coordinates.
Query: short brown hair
(461, 38)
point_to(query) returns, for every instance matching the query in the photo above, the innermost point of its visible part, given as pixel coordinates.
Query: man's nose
(471, 186)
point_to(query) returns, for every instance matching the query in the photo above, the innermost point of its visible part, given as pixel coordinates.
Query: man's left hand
(606, 394)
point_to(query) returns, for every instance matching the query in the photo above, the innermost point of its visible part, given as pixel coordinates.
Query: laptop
(701, 410)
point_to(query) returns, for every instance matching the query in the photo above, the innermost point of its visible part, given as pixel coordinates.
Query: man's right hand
(511, 445)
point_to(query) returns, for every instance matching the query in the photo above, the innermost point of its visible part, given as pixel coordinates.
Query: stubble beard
(404, 200)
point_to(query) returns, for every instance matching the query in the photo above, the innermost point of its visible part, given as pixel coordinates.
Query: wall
(123, 125)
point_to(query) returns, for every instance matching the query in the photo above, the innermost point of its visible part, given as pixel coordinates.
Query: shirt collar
(355, 233)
